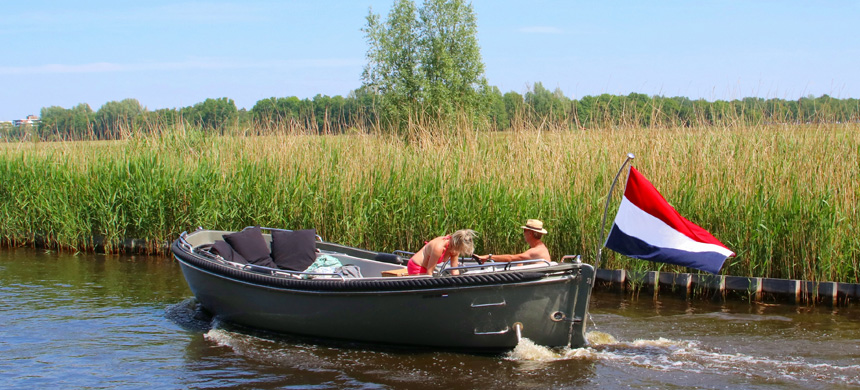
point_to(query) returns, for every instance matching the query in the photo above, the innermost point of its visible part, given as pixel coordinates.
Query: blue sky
(175, 54)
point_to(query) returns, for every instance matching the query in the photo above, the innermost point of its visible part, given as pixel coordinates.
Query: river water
(102, 321)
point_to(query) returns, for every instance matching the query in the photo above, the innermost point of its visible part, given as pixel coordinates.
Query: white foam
(271, 352)
(664, 354)
(527, 350)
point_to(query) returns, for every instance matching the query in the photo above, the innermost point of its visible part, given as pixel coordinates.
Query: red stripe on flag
(642, 193)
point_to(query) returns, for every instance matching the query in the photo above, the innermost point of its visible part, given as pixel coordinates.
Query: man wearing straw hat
(532, 232)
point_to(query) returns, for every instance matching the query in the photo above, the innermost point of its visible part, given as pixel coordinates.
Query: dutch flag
(647, 227)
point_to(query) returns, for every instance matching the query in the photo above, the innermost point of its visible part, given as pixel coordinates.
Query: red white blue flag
(647, 227)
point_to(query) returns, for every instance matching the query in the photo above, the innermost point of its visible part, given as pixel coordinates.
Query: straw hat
(534, 225)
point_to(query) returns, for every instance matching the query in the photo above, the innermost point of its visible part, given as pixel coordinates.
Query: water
(97, 321)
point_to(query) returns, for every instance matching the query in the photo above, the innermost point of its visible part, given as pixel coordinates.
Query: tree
(451, 57)
(514, 106)
(392, 70)
(275, 113)
(212, 114)
(164, 117)
(114, 116)
(60, 123)
(496, 108)
(546, 105)
(425, 61)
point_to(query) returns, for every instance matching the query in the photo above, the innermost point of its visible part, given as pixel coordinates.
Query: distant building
(29, 120)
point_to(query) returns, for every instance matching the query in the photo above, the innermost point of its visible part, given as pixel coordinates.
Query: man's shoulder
(540, 251)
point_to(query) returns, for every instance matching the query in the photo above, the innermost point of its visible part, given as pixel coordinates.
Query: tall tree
(392, 70)
(425, 61)
(60, 123)
(115, 116)
(451, 56)
(212, 114)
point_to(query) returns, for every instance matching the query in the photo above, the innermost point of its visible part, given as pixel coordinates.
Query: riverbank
(722, 287)
(782, 197)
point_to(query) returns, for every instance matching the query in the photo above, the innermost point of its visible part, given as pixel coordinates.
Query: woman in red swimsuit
(437, 250)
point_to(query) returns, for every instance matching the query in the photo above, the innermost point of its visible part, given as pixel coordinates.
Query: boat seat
(389, 258)
(396, 272)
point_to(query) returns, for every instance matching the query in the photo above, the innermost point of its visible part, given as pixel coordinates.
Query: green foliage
(165, 117)
(546, 105)
(751, 190)
(392, 73)
(451, 57)
(425, 63)
(212, 114)
(114, 117)
(514, 105)
(497, 108)
(11, 133)
(278, 112)
(361, 110)
(59, 123)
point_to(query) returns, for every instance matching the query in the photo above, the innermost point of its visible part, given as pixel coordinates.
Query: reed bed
(784, 198)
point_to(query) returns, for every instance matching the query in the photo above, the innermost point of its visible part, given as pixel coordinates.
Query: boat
(369, 299)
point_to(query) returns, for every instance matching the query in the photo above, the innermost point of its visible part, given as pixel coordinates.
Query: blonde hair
(464, 241)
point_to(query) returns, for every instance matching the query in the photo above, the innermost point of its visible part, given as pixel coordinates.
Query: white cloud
(198, 64)
(540, 30)
(184, 12)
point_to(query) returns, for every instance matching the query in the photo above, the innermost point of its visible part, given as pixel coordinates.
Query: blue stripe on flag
(633, 247)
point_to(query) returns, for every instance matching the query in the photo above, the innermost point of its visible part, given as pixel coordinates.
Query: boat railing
(183, 242)
(282, 273)
(407, 254)
(506, 266)
(211, 256)
(319, 238)
(574, 259)
(311, 275)
(285, 273)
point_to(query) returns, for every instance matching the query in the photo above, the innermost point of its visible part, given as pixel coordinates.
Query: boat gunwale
(374, 284)
(431, 290)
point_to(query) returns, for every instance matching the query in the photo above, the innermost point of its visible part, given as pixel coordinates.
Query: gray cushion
(295, 250)
(251, 245)
(223, 249)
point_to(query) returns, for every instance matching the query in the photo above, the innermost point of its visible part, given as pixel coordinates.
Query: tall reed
(782, 197)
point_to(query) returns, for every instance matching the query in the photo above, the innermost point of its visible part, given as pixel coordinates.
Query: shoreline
(753, 289)
(689, 285)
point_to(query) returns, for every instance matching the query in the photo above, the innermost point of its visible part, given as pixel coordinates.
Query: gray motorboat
(487, 307)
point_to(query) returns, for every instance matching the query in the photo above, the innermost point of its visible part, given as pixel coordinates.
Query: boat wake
(189, 315)
(687, 356)
(271, 351)
(662, 354)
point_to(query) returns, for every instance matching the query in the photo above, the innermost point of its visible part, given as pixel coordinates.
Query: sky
(172, 54)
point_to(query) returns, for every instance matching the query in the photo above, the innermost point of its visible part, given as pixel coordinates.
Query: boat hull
(550, 310)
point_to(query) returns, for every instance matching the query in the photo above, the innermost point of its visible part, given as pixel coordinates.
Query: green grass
(782, 197)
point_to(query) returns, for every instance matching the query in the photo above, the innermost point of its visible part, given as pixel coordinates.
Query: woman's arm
(455, 262)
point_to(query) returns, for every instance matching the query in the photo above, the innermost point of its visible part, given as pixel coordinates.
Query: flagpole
(630, 157)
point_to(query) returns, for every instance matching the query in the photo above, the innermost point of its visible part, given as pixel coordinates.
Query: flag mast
(630, 158)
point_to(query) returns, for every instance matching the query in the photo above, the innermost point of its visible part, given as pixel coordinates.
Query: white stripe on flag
(637, 223)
